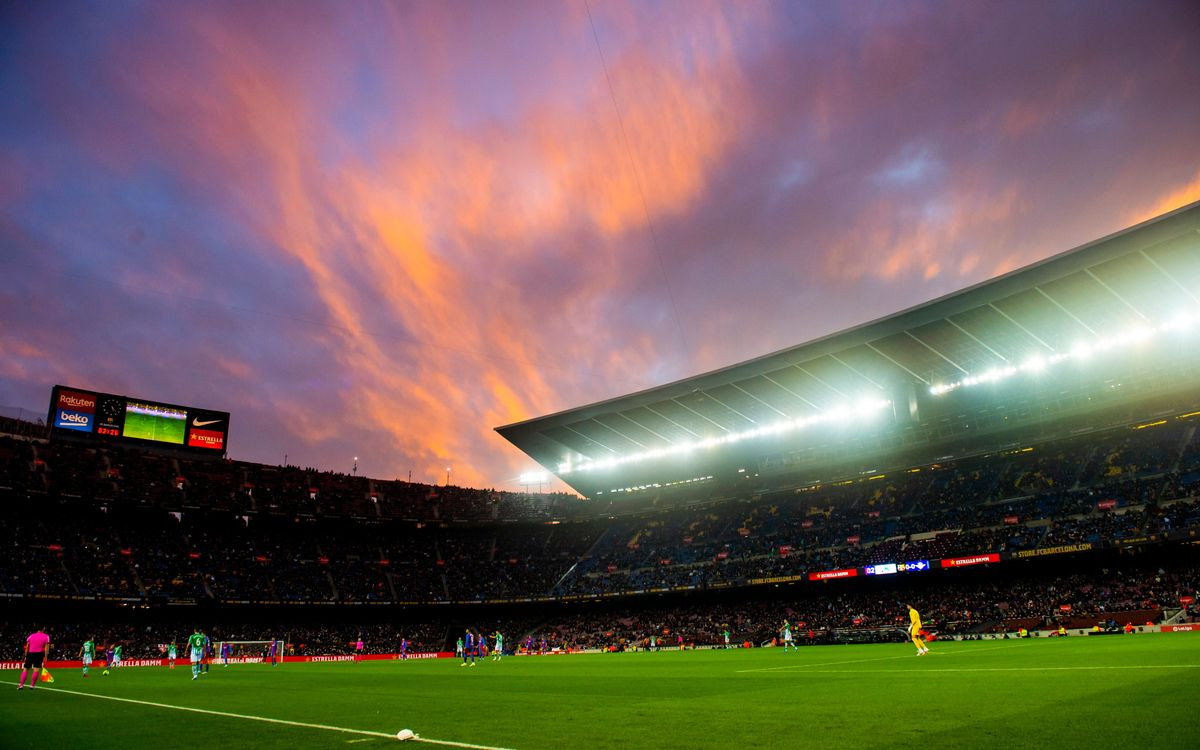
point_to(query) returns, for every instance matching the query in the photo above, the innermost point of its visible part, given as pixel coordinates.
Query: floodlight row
(656, 485)
(865, 408)
(1082, 350)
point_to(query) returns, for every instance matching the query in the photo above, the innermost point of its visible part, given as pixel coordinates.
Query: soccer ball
(405, 734)
(104, 673)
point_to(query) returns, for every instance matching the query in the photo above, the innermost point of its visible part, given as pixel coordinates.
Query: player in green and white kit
(726, 634)
(196, 651)
(458, 648)
(499, 646)
(116, 656)
(87, 652)
(787, 637)
(171, 654)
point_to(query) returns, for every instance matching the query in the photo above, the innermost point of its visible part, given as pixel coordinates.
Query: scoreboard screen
(77, 412)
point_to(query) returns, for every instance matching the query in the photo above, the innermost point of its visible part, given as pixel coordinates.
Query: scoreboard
(105, 416)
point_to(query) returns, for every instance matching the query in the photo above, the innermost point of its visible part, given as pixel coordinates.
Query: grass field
(1118, 691)
(154, 427)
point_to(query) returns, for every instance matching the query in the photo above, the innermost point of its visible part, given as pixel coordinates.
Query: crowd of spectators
(78, 521)
(152, 479)
(1125, 484)
(849, 614)
(1076, 600)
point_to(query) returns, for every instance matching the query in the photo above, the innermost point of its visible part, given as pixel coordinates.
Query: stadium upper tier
(122, 524)
(1113, 322)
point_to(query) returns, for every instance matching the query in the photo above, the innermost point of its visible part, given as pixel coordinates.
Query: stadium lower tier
(75, 549)
(1108, 590)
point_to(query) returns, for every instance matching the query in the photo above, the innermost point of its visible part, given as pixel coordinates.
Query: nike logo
(198, 423)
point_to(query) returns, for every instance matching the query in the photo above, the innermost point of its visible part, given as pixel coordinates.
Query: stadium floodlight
(533, 477)
(1035, 364)
(869, 406)
(1182, 322)
(1081, 350)
(657, 485)
(865, 408)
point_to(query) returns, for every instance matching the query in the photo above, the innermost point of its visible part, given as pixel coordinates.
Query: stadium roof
(1135, 280)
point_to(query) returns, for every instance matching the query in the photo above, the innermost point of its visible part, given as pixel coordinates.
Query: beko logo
(73, 420)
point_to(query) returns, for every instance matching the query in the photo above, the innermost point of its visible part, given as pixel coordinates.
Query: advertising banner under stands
(1062, 549)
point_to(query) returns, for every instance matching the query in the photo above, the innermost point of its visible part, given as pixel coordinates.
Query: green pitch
(1114, 691)
(150, 427)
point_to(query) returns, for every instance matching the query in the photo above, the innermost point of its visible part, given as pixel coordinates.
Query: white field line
(266, 719)
(803, 667)
(911, 672)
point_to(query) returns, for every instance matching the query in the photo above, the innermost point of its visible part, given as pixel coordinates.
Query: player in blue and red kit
(403, 648)
(226, 652)
(468, 648)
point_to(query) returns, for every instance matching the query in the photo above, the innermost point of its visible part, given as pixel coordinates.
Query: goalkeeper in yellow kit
(914, 630)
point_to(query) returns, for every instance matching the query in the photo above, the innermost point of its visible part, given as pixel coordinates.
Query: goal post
(249, 652)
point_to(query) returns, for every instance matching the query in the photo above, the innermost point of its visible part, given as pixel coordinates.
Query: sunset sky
(381, 229)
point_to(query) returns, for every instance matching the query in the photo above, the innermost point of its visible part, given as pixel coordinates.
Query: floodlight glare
(1181, 322)
(1081, 350)
(1035, 364)
(866, 407)
(869, 406)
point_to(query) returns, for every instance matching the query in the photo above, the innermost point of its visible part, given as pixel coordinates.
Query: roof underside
(1145, 274)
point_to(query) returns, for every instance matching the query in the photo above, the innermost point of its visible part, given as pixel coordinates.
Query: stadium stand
(117, 523)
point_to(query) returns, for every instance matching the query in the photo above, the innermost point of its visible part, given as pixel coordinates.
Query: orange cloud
(1173, 199)
(413, 238)
(890, 242)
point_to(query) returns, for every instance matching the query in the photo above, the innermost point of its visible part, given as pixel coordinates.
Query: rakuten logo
(76, 401)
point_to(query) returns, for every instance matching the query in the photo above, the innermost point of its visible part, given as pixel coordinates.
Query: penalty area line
(266, 719)
(911, 672)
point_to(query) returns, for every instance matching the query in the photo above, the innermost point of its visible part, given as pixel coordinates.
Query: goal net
(253, 652)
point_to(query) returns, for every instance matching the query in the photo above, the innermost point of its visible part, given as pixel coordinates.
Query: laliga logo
(67, 416)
